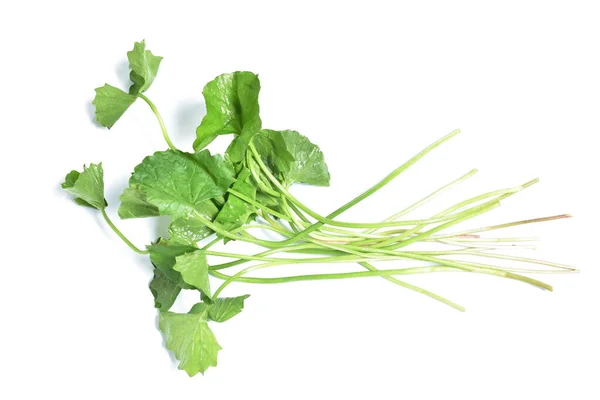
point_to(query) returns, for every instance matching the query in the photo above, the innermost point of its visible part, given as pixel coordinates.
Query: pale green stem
(414, 288)
(426, 199)
(520, 259)
(509, 224)
(163, 128)
(341, 275)
(487, 245)
(119, 234)
(311, 260)
(486, 240)
(372, 271)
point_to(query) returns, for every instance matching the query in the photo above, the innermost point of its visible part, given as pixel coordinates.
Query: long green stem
(487, 240)
(487, 245)
(509, 224)
(119, 234)
(341, 275)
(372, 271)
(290, 249)
(414, 288)
(426, 199)
(291, 209)
(163, 128)
(519, 259)
(312, 260)
(212, 243)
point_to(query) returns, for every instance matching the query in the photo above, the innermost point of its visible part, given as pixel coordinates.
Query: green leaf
(270, 201)
(194, 270)
(309, 165)
(87, 186)
(135, 205)
(70, 179)
(300, 162)
(163, 255)
(110, 103)
(239, 145)
(200, 308)
(144, 67)
(225, 308)
(272, 149)
(164, 290)
(178, 183)
(189, 337)
(69, 183)
(189, 230)
(235, 211)
(231, 107)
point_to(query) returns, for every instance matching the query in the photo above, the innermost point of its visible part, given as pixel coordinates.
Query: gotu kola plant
(214, 198)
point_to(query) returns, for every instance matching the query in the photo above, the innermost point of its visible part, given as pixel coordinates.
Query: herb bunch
(214, 198)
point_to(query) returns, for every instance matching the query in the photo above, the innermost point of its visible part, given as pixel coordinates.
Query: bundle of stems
(331, 240)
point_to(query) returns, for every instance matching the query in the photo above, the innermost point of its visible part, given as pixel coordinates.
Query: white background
(372, 83)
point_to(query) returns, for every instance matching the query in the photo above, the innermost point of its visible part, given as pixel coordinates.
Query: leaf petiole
(163, 128)
(119, 234)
